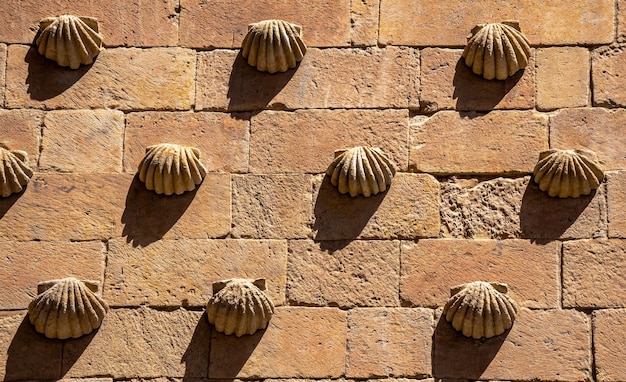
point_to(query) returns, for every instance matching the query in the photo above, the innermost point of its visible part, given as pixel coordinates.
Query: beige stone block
(609, 341)
(181, 272)
(621, 18)
(298, 343)
(389, 342)
(608, 76)
(563, 77)
(21, 130)
(364, 16)
(222, 138)
(500, 142)
(124, 79)
(616, 197)
(3, 61)
(593, 274)
(343, 273)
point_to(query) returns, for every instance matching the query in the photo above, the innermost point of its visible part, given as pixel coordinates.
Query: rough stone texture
(412, 22)
(3, 58)
(342, 273)
(325, 131)
(431, 267)
(124, 79)
(389, 342)
(447, 83)
(596, 129)
(621, 18)
(364, 20)
(83, 141)
(609, 344)
(552, 345)
(495, 143)
(387, 215)
(563, 77)
(181, 272)
(593, 274)
(616, 186)
(219, 24)
(221, 138)
(609, 71)
(298, 343)
(21, 130)
(326, 78)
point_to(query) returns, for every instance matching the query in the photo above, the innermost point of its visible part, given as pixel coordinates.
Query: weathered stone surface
(598, 129)
(326, 131)
(563, 77)
(218, 24)
(326, 78)
(447, 83)
(495, 143)
(318, 352)
(411, 22)
(431, 267)
(389, 342)
(124, 79)
(181, 272)
(388, 215)
(616, 199)
(609, 341)
(608, 75)
(342, 273)
(21, 130)
(271, 206)
(593, 273)
(364, 16)
(3, 58)
(83, 141)
(222, 138)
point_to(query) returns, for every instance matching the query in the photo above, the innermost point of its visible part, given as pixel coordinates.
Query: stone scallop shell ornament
(497, 50)
(66, 308)
(273, 45)
(239, 306)
(69, 40)
(171, 169)
(15, 173)
(480, 309)
(361, 170)
(567, 173)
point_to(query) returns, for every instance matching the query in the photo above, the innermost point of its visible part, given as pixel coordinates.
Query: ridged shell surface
(171, 169)
(239, 307)
(69, 40)
(67, 309)
(15, 172)
(361, 171)
(496, 51)
(480, 309)
(273, 45)
(567, 173)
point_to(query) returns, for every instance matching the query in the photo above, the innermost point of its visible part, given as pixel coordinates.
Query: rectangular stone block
(326, 78)
(364, 16)
(431, 267)
(298, 343)
(123, 79)
(608, 71)
(609, 342)
(21, 130)
(616, 186)
(563, 77)
(343, 273)
(3, 62)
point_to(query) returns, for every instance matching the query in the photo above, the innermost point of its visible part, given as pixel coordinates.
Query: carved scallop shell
(15, 172)
(171, 169)
(273, 45)
(66, 308)
(69, 40)
(239, 306)
(480, 309)
(567, 173)
(496, 50)
(361, 171)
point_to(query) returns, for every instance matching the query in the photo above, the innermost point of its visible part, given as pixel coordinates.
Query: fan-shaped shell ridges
(273, 45)
(15, 172)
(480, 309)
(67, 309)
(239, 308)
(69, 40)
(567, 173)
(171, 169)
(361, 171)
(496, 51)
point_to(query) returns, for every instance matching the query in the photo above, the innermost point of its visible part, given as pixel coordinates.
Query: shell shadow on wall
(480, 309)
(567, 173)
(497, 50)
(66, 308)
(239, 306)
(69, 40)
(361, 171)
(15, 172)
(171, 169)
(273, 45)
